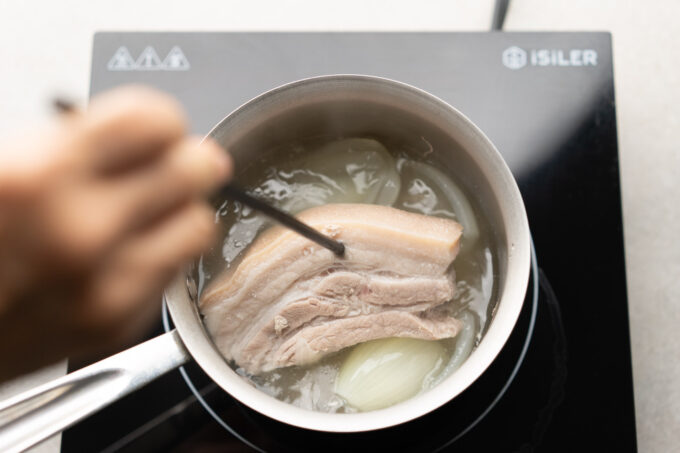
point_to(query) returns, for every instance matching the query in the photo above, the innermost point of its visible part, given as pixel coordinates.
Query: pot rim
(509, 301)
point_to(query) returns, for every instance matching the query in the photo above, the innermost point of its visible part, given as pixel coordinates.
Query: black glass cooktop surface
(563, 381)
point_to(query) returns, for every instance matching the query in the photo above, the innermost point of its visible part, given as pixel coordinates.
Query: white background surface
(45, 49)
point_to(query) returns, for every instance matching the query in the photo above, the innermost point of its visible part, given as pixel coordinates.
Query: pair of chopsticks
(236, 193)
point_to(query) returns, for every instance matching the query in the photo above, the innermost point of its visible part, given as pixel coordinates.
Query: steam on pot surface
(402, 311)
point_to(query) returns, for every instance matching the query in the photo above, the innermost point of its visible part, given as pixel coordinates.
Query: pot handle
(36, 414)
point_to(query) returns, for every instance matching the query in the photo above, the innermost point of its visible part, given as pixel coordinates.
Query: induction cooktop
(563, 382)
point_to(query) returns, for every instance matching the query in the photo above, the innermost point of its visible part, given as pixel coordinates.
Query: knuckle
(184, 168)
(204, 164)
(220, 159)
(178, 180)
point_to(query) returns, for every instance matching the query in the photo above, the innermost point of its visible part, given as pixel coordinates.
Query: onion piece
(361, 168)
(465, 342)
(380, 373)
(431, 192)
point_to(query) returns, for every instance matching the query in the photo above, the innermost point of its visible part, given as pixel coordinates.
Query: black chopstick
(238, 194)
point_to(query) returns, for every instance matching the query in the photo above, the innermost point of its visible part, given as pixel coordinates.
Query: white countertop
(45, 49)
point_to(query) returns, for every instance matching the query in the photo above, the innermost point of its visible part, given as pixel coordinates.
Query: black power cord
(499, 12)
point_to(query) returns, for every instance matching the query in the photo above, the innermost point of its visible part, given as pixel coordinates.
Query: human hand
(96, 215)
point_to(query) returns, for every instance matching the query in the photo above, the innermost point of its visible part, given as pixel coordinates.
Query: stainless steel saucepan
(338, 105)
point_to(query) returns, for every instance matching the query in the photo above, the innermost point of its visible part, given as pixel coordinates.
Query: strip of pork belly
(380, 242)
(313, 342)
(365, 295)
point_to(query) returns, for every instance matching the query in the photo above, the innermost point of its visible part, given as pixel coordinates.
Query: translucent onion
(361, 168)
(465, 342)
(380, 373)
(431, 192)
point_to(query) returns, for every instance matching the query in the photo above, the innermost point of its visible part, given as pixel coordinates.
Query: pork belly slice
(273, 308)
(262, 345)
(313, 342)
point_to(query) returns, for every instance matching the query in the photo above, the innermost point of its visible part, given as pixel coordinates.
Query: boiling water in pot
(360, 170)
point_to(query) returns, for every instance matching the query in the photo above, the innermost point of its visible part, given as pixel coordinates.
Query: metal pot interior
(347, 106)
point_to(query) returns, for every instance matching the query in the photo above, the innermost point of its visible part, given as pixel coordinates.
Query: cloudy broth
(316, 172)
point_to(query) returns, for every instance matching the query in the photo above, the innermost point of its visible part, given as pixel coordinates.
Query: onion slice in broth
(380, 373)
(429, 191)
(361, 170)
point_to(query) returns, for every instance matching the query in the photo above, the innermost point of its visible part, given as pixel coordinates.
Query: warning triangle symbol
(176, 60)
(148, 60)
(121, 60)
